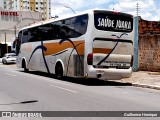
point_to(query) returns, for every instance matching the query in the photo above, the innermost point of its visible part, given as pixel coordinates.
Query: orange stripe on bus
(101, 50)
(56, 47)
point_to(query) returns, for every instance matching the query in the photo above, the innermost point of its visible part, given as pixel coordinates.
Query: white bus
(93, 44)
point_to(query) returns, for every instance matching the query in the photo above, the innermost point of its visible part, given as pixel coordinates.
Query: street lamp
(70, 8)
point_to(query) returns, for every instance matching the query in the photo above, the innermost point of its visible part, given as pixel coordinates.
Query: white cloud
(148, 9)
(59, 9)
(155, 18)
(77, 5)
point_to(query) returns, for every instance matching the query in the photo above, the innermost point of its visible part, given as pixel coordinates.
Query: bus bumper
(109, 74)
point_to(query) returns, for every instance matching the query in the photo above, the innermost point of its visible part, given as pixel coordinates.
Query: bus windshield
(113, 21)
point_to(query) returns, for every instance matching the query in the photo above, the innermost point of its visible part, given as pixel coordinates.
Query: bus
(93, 44)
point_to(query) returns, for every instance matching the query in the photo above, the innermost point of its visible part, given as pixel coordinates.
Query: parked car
(9, 58)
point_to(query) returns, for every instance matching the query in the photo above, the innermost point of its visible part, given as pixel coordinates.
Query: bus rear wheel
(59, 71)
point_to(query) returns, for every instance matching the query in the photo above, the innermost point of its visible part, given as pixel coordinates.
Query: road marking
(11, 74)
(53, 81)
(64, 89)
(125, 92)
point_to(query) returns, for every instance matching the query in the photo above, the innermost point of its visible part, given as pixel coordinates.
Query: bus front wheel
(59, 71)
(24, 66)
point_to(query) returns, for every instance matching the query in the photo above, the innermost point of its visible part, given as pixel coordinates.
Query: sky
(147, 9)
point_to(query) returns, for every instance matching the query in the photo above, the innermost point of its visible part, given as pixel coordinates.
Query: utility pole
(137, 9)
(136, 38)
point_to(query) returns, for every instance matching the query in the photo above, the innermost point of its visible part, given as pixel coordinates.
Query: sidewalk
(144, 79)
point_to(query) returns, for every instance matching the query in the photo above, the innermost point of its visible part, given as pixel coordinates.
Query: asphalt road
(50, 94)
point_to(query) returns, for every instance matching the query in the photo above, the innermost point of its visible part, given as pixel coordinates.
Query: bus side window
(65, 32)
(62, 29)
(73, 32)
(55, 30)
(32, 35)
(25, 36)
(68, 28)
(81, 24)
(46, 32)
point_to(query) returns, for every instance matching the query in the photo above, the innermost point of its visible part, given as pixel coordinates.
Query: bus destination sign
(110, 21)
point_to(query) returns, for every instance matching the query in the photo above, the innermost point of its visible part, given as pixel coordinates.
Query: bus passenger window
(55, 30)
(25, 36)
(32, 35)
(81, 24)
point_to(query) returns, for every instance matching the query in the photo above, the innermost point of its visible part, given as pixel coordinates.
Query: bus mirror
(14, 43)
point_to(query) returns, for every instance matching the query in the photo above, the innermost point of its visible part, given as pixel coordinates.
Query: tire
(59, 71)
(24, 66)
(4, 61)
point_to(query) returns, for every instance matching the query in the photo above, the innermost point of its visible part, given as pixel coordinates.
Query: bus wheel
(24, 66)
(4, 61)
(59, 71)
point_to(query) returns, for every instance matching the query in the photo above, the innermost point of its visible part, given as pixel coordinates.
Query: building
(43, 6)
(147, 45)
(11, 22)
(16, 14)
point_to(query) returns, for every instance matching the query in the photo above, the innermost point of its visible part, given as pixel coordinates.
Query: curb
(146, 86)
